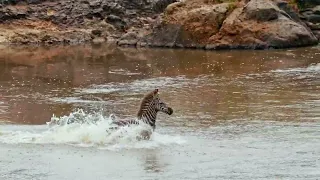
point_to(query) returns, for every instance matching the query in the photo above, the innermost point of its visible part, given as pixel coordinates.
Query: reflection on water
(36, 82)
(153, 163)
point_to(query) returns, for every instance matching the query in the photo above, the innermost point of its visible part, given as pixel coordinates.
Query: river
(237, 114)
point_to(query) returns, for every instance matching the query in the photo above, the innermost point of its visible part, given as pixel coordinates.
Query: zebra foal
(150, 105)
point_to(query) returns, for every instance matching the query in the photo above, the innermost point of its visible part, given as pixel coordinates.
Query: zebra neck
(149, 117)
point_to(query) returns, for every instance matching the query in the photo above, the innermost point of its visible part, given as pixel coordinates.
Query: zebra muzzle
(170, 110)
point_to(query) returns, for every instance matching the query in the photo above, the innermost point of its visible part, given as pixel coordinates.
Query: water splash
(85, 130)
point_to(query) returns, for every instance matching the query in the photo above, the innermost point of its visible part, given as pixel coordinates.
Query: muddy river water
(237, 114)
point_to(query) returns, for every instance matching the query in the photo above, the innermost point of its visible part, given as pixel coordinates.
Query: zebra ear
(155, 91)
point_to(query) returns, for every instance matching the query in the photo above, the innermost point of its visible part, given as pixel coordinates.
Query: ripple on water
(137, 86)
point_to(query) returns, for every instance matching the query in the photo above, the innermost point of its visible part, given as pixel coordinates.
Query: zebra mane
(146, 101)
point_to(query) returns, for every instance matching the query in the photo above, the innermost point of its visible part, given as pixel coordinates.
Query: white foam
(86, 130)
(3, 107)
(311, 68)
(78, 100)
(124, 72)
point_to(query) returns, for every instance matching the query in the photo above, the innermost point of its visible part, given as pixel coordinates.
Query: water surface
(237, 114)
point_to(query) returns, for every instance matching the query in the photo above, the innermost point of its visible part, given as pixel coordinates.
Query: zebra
(150, 105)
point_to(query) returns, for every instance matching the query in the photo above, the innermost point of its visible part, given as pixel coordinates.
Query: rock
(11, 13)
(314, 18)
(313, 26)
(311, 15)
(259, 24)
(113, 8)
(316, 10)
(113, 18)
(317, 34)
(47, 39)
(282, 32)
(96, 32)
(127, 42)
(161, 5)
(35, 1)
(94, 3)
(98, 40)
(261, 11)
(131, 38)
(283, 5)
(184, 25)
(116, 21)
(307, 3)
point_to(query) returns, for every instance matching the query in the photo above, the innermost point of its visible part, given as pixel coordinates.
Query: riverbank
(205, 24)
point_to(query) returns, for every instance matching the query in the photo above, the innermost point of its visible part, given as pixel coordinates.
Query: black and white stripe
(148, 112)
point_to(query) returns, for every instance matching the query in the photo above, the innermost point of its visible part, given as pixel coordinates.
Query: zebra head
(150, 106)
(160, 105)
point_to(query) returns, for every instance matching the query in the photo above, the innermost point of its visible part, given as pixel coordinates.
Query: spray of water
(86, 130)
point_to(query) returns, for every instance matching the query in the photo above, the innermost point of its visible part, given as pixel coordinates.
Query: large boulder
(188, 24)
(261, 24)
(202, 23)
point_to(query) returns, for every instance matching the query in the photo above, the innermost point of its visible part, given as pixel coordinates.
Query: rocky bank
(206, 24)
(74, 21)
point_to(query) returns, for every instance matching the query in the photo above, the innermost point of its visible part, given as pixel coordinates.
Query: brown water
(237, 114)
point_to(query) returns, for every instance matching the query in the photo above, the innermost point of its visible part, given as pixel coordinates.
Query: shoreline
(234, 25)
